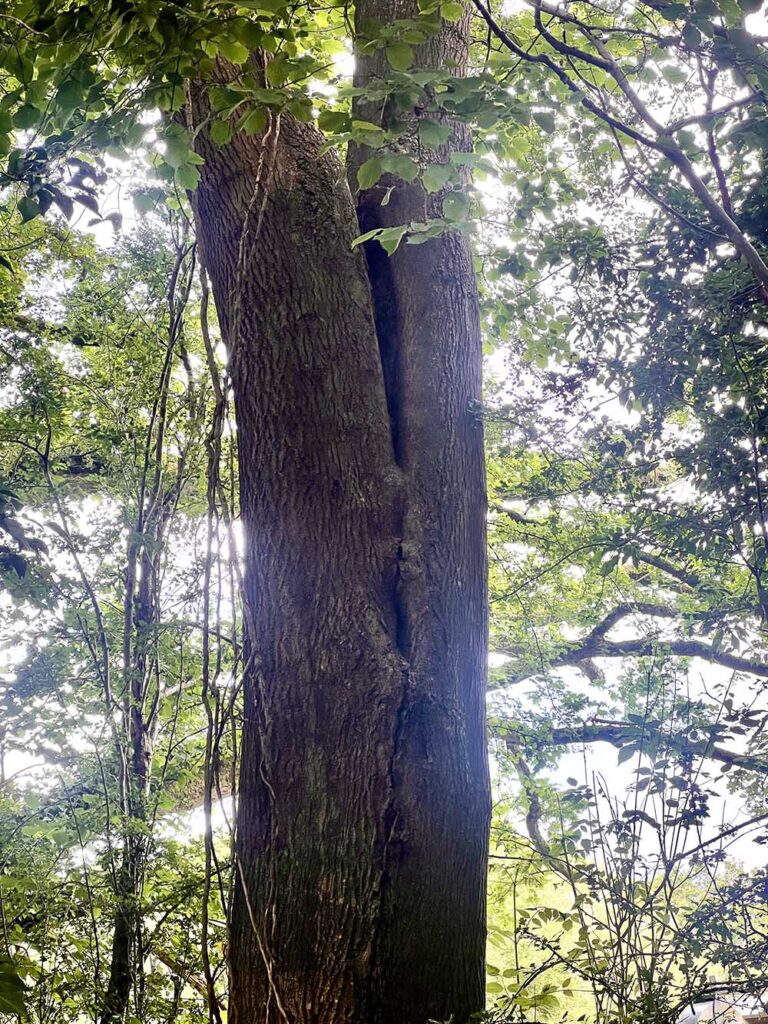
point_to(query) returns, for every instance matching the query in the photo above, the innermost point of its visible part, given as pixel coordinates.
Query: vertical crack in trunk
(427, 321)
(385, 315)
(361, 475)
(390, 810)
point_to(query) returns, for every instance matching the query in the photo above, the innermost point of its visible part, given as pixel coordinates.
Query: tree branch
(644, 647)
(595, 645)
(662, 143)
(665, 566)
(619, 734)
(183, 972)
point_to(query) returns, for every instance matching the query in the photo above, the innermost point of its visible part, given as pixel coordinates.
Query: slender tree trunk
(141, 613)
(141, 617)
(364, 794)
(121, 969)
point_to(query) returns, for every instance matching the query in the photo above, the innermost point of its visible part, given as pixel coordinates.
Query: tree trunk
(361, 834)
(426, 310)
(141, 616)
(140, 620)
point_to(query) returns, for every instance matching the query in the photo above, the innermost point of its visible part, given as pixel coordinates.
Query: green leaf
(88, 201)
(10, 560)
(366, 133)
(269, 97)
(432, 133)
(451, 11)
(333, 121)
(255, 121)
(187, 177)
(370, 172)
(221, 132)
(402, 165)
(390, 238)
(400, 56)
(275, 71)
(224, 99)
(11, 989)
(69, 95)
(607, 567)
(691, 35)
(301, 108)
(64, 203)
(744, 42)
(436, 176)
(366, 126)
(671, 12)
(148, 16)
(545, 120)
(456, 206)
(144, 201)
(366, 237)
(253, 36)
(29, 208)
(233, 50)
(176, 151)
(26, 116)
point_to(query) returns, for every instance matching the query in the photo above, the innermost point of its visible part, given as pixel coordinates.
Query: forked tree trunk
(361, 835)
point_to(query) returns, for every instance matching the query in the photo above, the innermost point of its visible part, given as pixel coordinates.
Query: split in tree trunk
(362, 828)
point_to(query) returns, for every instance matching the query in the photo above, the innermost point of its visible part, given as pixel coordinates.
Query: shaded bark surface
(426, 309)
(364, 803)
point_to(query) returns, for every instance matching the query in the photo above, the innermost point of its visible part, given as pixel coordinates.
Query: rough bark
(363, 794)
(428, 327)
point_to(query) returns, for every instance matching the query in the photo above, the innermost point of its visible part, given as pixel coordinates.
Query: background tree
(627, 527)
(105, 403)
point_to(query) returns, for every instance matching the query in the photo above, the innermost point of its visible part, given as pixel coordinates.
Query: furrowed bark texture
(428, 326)
(363, 794)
